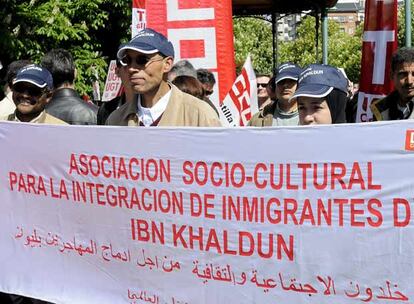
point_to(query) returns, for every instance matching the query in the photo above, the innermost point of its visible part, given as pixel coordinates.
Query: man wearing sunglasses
(149, 57)
(263, 98)
(32, 90)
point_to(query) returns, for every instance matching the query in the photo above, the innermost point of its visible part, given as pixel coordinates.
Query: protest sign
(173, 215)
(113, 84)
(139, 16)
(379, 42)
(240, 104)
(202, 33)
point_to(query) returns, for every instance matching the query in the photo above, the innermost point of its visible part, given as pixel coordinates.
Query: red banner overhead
(379, 42)
(201, 32)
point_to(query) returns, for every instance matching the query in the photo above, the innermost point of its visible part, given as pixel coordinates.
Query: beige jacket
(43, 118)
(183, 110)
(264, 118)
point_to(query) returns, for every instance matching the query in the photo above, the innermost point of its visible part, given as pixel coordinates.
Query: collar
(286, 114)
(65, 92)
(405, 110)
(148, 115)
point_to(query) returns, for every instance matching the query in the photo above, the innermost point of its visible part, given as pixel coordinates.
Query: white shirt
(148, 115)
(7, 105)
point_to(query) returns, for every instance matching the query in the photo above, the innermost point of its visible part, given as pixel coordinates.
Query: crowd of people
(157, 92)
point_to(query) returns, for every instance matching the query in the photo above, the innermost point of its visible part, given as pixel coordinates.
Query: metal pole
(274, 41)
(324, 36)
(317, 35)
(277, 42)
(408, 23)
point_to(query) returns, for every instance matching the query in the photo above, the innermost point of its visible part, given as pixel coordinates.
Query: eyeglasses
(29, 90)
(139, 60)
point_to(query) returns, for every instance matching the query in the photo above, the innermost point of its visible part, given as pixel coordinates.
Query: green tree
(401, 25)
(344, 50)
(253, 36)
(28, 29)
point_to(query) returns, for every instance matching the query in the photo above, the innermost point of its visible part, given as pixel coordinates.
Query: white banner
(173, 215)
(240, 104)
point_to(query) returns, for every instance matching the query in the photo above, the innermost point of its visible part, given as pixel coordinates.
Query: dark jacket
(108, 107)
(387, 108)
(69, 107)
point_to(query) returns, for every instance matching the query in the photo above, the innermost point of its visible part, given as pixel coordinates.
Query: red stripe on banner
(138, 3)
(192, 48)
(186, 4)
(215, 19)
(380, 17)
(157, 15)
(379, 43)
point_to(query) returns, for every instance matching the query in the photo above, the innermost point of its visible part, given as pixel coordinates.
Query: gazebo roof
(261, 7)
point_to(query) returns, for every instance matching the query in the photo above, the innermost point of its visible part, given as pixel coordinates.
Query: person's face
(313, 111)
(29, 99)
(146, 72)
(403, 78)
(261, 86)
(285, 89)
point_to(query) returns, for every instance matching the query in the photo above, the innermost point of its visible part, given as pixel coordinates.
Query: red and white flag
(379, 42)
(240, 104)
(139, 16)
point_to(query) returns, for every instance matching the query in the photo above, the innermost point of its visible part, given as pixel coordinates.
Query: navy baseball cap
(287, 70)
(35, 74)
(148, 41)
(318, 80)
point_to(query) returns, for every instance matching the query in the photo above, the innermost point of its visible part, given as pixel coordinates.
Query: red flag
(201, 32)
(240, 104)
(379, 42)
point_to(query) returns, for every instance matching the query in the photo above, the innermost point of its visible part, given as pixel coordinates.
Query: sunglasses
(139, 60)
(263, 85)
(29, 90)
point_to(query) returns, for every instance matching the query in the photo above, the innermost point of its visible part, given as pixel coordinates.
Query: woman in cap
(321, 95)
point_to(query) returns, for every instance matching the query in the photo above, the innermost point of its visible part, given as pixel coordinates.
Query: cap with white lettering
(318, 80)
(35, 74)
(148, 41)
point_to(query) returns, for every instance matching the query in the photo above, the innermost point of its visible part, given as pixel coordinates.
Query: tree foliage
(344, 50)
(28, 29)
(92, 30)
(254, 36)
(401, 25)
